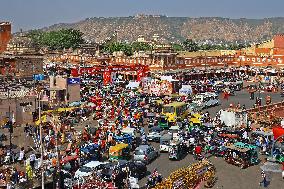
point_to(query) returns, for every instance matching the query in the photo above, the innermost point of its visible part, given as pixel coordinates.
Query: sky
(32, 14)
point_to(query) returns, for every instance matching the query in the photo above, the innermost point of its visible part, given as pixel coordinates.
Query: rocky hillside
(176, 29)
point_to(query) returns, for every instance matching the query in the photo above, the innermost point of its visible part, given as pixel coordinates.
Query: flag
(140, 74)
(74, 72)
(106, 77)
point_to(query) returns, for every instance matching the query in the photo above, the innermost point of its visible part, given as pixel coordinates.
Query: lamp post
(10, 124)
(39, 94)
(56, 128)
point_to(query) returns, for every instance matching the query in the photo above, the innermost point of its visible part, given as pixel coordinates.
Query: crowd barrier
(275, 106)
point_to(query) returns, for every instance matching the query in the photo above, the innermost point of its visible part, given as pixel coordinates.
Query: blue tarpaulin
(38, 77)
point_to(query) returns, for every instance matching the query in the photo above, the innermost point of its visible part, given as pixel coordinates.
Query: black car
(118, 171)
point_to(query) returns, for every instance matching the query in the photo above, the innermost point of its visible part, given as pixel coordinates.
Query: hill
(177, 29)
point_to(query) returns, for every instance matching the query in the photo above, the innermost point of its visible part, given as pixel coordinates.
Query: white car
(87, 169)
(154, 136)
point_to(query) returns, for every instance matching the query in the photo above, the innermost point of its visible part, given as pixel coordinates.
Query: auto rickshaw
(119, 151)
(163, 122)
(194, 121)
(126, 139)
(91, 152)
(175, 150)
(242, 154)
(151, 119)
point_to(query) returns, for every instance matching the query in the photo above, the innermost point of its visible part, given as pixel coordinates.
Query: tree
(116, 46)
(65, 38)
(140, 46)
(190, 45)
(177, 47)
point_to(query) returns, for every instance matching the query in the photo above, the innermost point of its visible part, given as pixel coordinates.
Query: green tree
(116, 46)
(140, 46)
(177, 47)
(190, 45)
(65, 38)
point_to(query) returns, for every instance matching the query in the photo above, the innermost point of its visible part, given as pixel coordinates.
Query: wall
(29, 66)
(267, 44)
(74, 92)
(279, 41)
(5, 35)
(19, 108)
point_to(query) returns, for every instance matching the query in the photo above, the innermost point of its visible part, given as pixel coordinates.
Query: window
(139, 152)
(169, 109)
(178, 111)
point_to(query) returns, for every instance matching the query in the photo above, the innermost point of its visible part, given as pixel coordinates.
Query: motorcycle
(153, 180)
(9, 158)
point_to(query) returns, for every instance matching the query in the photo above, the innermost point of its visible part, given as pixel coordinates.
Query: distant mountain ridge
(177, 29)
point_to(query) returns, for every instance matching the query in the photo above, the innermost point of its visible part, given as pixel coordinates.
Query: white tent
(185, 90)
(133, 85)
(168, 78)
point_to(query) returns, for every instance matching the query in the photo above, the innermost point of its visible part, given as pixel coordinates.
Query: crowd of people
(77, 135)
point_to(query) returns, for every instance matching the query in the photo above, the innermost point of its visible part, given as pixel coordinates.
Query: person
(238, 106)
(251, 95)
(22, 154)
(264, 181)
(32, 160)
(198, 149)
(282, 170)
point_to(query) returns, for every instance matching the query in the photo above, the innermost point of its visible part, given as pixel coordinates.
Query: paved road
(243, 97)
(229, 176)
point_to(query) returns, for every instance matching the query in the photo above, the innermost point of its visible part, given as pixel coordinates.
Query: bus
(175, 111)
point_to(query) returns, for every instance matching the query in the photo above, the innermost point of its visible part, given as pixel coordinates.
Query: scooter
(9, 158)
(153, 181)
(198, 157)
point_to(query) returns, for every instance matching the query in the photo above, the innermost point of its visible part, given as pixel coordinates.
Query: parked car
(165, 142)
(154, 134)
(118, 169)
(145, 154)
(88, 168)
(205, 100)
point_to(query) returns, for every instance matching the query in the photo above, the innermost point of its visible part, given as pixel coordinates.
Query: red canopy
(277, 132)
(69, 158)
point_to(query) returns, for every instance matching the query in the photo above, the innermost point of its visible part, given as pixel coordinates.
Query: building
(22, 65)
(268, 53)
(64, 90)
(21, 44)
(5, 35)
(20, 109)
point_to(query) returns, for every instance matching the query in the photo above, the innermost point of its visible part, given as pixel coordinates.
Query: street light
(44, 99)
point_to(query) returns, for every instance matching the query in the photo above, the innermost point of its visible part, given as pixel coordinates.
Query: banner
(74, 80)
(99, 69)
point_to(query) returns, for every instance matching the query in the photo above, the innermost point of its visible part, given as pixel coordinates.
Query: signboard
(74, 80)
(201, 171)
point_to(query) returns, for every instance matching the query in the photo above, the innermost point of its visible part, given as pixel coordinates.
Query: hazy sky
(28, 14)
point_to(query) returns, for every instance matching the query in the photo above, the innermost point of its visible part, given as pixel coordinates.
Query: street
(229, 176)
